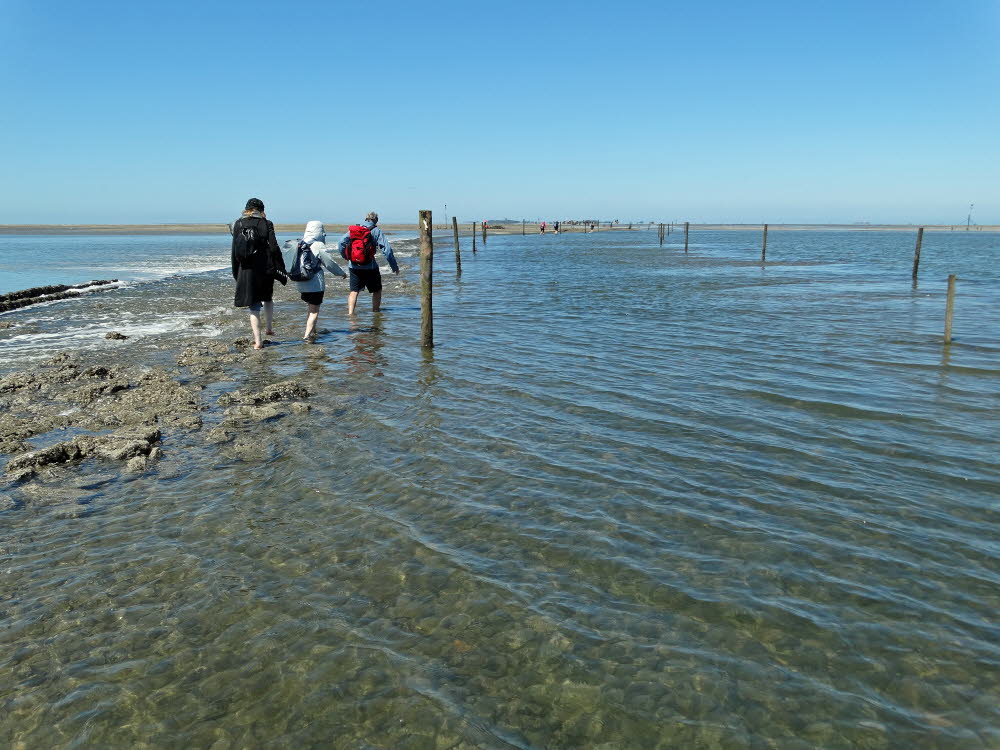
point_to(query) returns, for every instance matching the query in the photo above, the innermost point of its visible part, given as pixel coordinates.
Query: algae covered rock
(117, 446)
(288, 390)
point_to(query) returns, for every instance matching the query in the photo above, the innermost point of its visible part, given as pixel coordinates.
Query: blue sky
(708, 111)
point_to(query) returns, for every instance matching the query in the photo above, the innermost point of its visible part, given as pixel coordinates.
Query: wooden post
(484, 234)
(763, 247)
(473, 238)
(949, 309)
(425, 222)
(661, 235)
(916, 254)
(522, 227)
(687, 227)
(630, 225)
(458, 255)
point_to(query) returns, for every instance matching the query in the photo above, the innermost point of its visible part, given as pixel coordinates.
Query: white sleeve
(330, 264)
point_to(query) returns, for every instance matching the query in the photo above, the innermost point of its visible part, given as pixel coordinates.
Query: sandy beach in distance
(464, 227)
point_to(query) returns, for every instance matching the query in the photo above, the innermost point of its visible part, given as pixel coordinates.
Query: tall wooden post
(522, 227)
(484, 234)
(425, 222)
(916, 253)
(687, 227)
(763, 247)
(458, 255)
(949, 309)
(661, 235)
(473, 238)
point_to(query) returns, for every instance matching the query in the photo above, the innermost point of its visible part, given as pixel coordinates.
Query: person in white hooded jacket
(312, 290)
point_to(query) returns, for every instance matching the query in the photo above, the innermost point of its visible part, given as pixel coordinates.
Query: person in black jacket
(257, 261)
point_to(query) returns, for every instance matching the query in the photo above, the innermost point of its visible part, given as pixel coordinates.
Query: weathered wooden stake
(458, 255)
(687, 227)
(763, 247)
(949, 309)
(522, 227)
(425, 222)
(473, 238)
(484, 234)
(916, 253)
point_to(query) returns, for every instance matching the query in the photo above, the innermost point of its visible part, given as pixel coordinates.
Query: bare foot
(269, 332)
(258, 346)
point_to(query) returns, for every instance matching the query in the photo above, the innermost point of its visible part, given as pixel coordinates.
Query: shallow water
(632, 499)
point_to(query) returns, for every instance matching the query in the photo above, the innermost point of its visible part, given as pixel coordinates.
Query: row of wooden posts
(949, 307)
(426, 225)
(425, 222)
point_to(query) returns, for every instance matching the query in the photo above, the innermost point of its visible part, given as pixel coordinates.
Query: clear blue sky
(784, 111)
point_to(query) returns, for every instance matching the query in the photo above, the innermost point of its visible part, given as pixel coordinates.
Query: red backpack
(361, 248)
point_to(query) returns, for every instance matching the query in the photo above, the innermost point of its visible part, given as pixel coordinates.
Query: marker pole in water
(425, 222)
(484, 234)
(763, 247)
(949, 309)
(473, 238)
(458, 256)
(916, 254)
(522, 227)
(687, 227)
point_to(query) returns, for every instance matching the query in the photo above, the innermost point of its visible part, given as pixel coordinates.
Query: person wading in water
(256, 261)
(358, 248)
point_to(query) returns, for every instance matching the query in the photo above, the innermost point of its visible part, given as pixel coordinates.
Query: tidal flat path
(632, 499)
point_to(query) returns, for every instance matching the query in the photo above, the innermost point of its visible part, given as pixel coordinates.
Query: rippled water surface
(632, 499)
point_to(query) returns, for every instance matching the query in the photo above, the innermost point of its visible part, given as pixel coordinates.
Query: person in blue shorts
(364, 272)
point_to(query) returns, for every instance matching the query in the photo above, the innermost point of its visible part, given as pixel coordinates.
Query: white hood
(314, 232)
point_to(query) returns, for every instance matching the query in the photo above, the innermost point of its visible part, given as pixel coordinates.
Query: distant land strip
(508, 227)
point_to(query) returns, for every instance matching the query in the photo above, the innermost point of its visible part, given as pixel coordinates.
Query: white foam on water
(160, 270)
(91, 336)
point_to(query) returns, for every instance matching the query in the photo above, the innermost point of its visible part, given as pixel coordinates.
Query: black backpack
(250, 238)
(305, 265)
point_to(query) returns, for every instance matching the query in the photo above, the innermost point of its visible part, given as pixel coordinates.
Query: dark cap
(255, 204)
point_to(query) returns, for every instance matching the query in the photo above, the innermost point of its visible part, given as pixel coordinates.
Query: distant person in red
(543, 228)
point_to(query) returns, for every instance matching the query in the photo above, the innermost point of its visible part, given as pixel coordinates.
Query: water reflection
(365, 356)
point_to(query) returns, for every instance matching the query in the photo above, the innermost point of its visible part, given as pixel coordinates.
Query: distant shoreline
(510, 228)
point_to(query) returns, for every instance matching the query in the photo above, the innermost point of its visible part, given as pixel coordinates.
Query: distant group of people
(258, 261)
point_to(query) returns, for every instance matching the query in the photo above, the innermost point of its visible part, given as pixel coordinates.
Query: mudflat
(464, 227)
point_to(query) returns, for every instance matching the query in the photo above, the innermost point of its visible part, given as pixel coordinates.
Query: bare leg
(255, 327)
(311, 319)
(352, 301)
(376, 300)
(269, 317)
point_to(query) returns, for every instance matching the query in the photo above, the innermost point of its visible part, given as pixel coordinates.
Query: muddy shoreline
(80, 413)
(512, 227)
